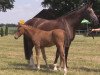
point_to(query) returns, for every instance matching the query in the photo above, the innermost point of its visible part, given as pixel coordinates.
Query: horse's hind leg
(56, 59)
(31, 61)
(44, 56)
(62, 56)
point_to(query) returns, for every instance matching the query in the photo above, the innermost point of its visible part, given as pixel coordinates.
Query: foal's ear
(19, 25)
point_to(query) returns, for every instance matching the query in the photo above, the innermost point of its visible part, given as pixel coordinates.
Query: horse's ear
(90, 4)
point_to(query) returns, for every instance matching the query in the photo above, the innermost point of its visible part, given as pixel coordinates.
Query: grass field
(83, 59)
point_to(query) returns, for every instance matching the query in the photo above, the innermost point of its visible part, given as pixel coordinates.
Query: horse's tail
(27, 47)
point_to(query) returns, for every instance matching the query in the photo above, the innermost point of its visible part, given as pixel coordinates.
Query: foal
(41, 39)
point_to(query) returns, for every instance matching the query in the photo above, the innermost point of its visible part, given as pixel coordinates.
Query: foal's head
(20, 31)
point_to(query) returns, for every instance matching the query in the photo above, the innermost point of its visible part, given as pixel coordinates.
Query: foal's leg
(56, 59)
(44, 56)
(37, 56)
(62, 56)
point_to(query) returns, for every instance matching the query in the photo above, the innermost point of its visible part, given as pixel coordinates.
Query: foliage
(64, 6)
(9, 25)
(61, 5)
(6, 4)
(96, 6)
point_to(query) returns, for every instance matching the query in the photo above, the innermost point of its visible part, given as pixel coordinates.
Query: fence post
(6, 30)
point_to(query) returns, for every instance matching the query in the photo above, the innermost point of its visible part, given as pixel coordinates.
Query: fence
(11, 30)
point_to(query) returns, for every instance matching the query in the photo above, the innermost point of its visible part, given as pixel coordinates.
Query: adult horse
(68, 22)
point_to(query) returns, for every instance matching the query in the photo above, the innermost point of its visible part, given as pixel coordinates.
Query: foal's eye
(18, 30)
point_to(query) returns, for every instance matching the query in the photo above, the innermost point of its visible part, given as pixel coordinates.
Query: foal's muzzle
(16, 36)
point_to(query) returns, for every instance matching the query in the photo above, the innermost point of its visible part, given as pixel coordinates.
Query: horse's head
(20, 31)
(90, 15)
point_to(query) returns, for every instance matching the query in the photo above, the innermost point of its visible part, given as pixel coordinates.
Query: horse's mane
(79, 8)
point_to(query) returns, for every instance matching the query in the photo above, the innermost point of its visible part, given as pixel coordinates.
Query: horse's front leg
(56, 59)
(44, 56)
(66, 55)
(37, 56)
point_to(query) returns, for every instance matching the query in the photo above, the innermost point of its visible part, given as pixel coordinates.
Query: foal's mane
(29, 27)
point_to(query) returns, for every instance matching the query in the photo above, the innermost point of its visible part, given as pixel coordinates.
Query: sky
(23, 9)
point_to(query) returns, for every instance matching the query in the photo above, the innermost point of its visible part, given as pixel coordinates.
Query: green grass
(83, 59)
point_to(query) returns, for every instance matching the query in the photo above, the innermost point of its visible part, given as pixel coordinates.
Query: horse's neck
(72, 21)
(75, 18)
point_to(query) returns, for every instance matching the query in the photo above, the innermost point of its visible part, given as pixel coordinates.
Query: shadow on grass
(86, 69)
(18, 66)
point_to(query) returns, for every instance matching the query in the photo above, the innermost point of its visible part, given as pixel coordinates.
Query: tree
(63, 6)
(6, 4)
(97, 6)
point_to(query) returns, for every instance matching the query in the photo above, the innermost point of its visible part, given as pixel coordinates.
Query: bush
(2, 32)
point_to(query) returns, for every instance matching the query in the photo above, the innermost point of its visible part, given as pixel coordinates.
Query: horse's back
(45, 24)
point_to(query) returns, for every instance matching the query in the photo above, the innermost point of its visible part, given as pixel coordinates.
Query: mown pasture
(83, 59)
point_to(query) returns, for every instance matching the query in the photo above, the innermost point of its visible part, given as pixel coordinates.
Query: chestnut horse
(41, 39)
(68, 23)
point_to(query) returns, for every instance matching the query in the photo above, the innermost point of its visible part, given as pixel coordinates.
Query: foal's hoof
(60, 69)
(38, 67)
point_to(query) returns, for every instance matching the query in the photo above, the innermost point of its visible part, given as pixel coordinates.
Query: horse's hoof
(32, 67)
(55, 69)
